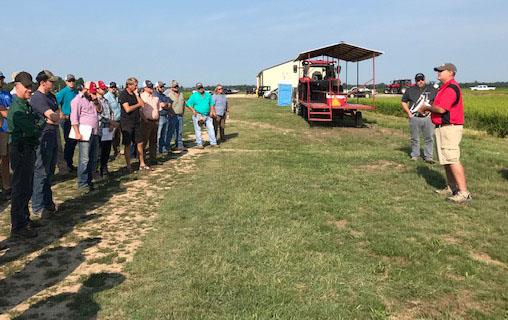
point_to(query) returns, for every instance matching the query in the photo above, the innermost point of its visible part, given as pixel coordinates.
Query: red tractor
(320, 96)
(398, 86)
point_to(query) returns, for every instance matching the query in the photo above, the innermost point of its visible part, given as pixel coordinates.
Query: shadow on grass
(45, 271)
(504, 173)
(406, 150)
(432, 177)
(79, 305)
(70, 213)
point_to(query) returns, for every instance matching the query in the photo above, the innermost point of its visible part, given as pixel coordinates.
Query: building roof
(278, 64)
(342, 51)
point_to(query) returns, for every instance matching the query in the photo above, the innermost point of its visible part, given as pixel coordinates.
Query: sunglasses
(420, 79)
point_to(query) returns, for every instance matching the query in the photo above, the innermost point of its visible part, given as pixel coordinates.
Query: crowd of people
(95, 118)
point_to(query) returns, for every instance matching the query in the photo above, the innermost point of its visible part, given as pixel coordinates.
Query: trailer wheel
(358, 119)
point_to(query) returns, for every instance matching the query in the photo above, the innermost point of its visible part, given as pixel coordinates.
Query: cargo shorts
(448, 139)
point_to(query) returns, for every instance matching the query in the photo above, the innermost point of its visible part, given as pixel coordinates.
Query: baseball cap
(174, 84)
(2, 75)
(102, 85)
(446, 66)
(419, 76)
(112, 84)
(46, 75)
(70, 77)
(160, 84)
(147, 84)
(25, 79)
(199, 85)
(91, 87)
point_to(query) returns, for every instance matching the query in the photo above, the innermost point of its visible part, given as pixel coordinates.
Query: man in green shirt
(25, 131)
(203, 111)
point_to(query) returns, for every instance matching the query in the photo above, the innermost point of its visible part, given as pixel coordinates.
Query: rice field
(483, 110)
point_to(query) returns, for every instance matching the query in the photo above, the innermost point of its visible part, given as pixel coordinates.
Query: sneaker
(24, 233)
(460, 197)
(199, 146)
(181, 149)
(430, 161)
(446, 191)
(214, 146)
(415, 158)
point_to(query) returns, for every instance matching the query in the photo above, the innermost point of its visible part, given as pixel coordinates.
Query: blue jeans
(70, 144)
(209, 129)
(87, 161)
(422, 126)
(162, 132)
(22, 160)
(172, 125)
(45, 162)
(179, 131)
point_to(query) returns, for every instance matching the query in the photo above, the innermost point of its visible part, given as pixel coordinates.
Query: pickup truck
(482, 87)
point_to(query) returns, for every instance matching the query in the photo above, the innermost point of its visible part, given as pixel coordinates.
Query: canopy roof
(342, 51)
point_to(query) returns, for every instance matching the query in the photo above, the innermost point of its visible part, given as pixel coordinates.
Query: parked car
(482, 87)
(272, 95)
(230, 91)
(262, 90)
(361, 92)
(250, 91)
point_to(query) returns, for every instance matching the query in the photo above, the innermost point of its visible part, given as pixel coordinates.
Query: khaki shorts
(4, 144)
(447, 142)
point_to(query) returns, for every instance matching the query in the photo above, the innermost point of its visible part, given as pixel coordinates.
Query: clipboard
(85, 130)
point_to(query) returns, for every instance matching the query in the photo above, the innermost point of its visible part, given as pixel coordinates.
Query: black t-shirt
(128, 119)
(412, 94)
(41, 103)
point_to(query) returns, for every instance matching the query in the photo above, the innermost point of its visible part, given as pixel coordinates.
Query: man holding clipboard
(85, 129)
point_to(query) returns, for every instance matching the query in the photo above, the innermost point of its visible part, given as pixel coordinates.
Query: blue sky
(231, 41)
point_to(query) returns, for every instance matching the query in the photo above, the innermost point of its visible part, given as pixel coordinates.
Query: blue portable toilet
(285, 94)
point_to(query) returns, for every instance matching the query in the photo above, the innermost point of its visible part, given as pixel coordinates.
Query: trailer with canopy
(320, 96)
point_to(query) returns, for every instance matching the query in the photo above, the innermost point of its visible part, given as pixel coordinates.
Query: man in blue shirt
(5, 102)
(203, 112)
(64, 98)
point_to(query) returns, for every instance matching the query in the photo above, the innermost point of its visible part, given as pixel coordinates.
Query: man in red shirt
(447, 114)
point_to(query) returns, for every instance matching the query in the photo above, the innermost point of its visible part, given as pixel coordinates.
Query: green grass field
(486, 110)
(291, 222)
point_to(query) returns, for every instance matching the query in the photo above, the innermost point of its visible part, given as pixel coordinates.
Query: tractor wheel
(403, 90)
(358, 119)
(273, 96)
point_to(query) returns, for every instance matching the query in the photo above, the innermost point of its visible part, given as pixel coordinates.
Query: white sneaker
(460, 197)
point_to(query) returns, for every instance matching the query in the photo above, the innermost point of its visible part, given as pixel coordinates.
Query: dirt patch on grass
(339, 224)
(382, 165)
(94, 236)
(485, 258)
(453, 306)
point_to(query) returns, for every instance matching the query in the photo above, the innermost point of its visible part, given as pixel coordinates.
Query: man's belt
(446, 124)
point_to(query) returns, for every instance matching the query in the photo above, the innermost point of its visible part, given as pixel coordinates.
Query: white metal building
(282, 72)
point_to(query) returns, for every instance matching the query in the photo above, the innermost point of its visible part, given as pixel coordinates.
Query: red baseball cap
(102, 85)
(91, 87)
